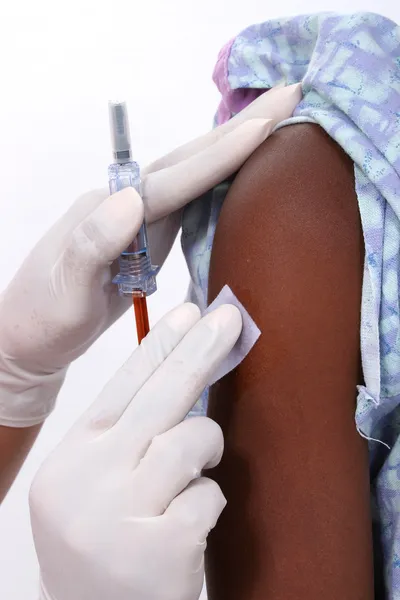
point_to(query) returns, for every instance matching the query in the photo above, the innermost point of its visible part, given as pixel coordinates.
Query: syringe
(136, 277)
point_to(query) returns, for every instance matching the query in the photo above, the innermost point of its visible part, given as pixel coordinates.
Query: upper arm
(295, 470)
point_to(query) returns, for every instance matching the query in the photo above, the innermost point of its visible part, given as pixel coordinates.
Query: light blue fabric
(349, 66)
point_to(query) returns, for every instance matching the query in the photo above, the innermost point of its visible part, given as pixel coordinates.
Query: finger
(198, 508)
(172, 461)
(189, 149)
(56, 238)
(176, 385)
(167, 190)
(266, 106)
(104, 234)
(80, 209)
(145, 360)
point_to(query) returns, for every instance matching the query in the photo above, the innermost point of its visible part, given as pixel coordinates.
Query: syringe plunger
(120, 132)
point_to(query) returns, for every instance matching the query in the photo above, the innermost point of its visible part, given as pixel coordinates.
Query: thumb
(105, 233)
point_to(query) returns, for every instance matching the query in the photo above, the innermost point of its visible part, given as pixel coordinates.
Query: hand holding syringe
(65, 281)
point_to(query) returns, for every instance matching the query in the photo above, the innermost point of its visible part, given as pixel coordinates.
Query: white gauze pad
(248, 337)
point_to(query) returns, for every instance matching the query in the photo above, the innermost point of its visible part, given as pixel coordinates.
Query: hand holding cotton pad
(249, 336)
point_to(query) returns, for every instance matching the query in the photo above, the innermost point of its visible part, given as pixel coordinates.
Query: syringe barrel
(137, 275)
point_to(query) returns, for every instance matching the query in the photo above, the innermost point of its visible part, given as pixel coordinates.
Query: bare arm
(295, 471)
(15, 444)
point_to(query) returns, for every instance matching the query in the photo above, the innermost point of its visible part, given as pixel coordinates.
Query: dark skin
(295, 471)
(15, 444)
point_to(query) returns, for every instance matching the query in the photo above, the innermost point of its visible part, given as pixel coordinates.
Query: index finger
(173, 389)
(267, 106)
(119, 392)
(201, 171)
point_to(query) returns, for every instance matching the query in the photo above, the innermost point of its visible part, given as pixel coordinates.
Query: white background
(60, 63)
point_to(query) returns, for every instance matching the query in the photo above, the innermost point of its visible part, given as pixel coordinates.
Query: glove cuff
(26, 399)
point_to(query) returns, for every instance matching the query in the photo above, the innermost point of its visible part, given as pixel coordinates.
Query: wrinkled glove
(62, 298)
(119, 510)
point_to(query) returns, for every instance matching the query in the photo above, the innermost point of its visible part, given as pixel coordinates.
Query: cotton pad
(248, 337)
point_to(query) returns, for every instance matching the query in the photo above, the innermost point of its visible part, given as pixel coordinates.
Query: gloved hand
(119, 510)
(62, 299)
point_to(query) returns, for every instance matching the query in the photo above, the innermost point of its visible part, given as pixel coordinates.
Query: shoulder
(301, 175)
(290, 230)
(294, 198)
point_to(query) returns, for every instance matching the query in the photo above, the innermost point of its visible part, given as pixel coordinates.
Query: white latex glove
(119, 510)
(62, 299)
